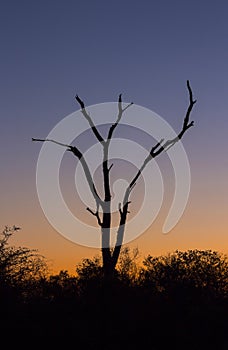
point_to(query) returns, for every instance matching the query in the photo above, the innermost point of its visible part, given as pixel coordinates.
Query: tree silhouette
(110, 256)
(20, 268)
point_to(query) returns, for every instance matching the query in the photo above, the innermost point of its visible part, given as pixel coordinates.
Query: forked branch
(154, 152)
(95, 213)
(161, 146)
(186, 125)
(121, 110)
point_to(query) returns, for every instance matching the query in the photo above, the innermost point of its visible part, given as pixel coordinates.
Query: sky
(52, 50)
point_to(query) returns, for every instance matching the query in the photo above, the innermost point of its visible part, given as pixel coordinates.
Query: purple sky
(51, 50)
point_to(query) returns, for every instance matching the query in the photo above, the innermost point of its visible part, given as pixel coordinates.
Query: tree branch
(120, 232)
(120, 209)
(186, 125)
(160, 147)
(58, 143)
(154, 152)
(119, 116)
(82, 105)
(95, 213)
(88, 118)
(106, 168)
(110, 167)
(85, 167)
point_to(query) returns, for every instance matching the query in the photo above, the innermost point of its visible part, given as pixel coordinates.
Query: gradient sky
(51, 50)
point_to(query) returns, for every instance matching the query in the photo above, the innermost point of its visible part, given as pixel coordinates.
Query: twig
(95, 213)
(50, 140)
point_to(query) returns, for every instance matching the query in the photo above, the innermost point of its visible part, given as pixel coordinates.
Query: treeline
(178, 300)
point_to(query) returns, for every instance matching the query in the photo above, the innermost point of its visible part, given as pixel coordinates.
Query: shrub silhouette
(20, 267)
(178, 300)
(197, 271)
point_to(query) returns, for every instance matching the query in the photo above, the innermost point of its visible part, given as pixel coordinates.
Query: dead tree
(102, 212)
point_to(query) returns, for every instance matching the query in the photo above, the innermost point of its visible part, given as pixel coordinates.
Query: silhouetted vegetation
(20, 268)
(179, 300)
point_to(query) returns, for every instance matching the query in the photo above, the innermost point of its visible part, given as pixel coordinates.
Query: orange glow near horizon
(202, 226)
(197, 229)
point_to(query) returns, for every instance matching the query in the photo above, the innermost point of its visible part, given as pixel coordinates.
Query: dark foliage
(179, 301)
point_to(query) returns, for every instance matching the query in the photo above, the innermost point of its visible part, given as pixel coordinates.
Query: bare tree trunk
(105, 241)
(106, 223)
(110, 258)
